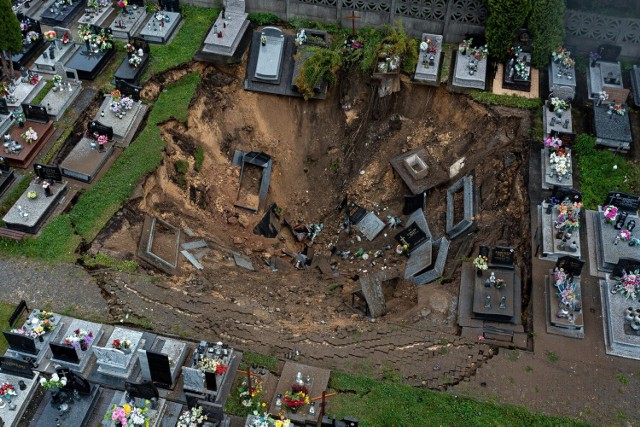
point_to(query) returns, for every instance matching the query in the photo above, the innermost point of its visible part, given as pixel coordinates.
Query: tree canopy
(505, 17)
(547, 29)
(11, 35)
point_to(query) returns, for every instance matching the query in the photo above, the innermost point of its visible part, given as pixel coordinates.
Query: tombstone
(4, 108)
(609, 52)
(35, 113)
(626, 202)
(193, 379)
(4, 166)
(211, 381)
(412, 236)
(67, 74)
(159, 368)
(46, 172)
(625, 265)
(563, 92)
(18, 312)
(145, 390)
(64, 353)
(571, 265)
(97, 127)
(75, 381)
(139, 3)
(268, 67)
(503, 256)
(128, 89)
(561, 193)
(269, 225)
(140, 43)
(11, 366)
(21, 343)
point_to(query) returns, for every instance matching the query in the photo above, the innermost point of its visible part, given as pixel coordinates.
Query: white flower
(63, 381)
(42, 381)
(55, 377)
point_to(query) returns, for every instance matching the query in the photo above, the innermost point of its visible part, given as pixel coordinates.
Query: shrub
(262, 18)
(547, 29)
(505, 17)
(322, 64)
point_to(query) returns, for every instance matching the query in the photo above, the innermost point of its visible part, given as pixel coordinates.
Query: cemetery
(274, 212)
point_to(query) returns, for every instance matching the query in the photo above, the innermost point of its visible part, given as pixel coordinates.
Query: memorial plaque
(160, 368)
(64, 353)
(4, 166)
(211, 381)
(97, 127)
(48, 172)
(503, 255)
(571, 265)
(626, 202)
(21, 343)
(35, 113)
(561, 193)
(145, 390)
(127, 89)
(412, 236)
(11, 366)
(4, 108)
(627, 265)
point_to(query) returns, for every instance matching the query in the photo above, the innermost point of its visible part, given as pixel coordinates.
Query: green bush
(505, 17)
(322, 64)
(199, 158)
(262, 18)
(547, 29)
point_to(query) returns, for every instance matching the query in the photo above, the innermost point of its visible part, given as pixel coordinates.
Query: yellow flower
(127, 409)
(278, 423)
(264, 405)
(306, 400)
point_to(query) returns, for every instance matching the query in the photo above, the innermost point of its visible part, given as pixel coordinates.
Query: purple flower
(594, 56)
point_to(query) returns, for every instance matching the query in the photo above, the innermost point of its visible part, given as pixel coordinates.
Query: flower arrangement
(65, 38)
(33, 36)
(55, 382)
(559, 104)
(480, 262)
(130, 48)
(127, 103)
(559, 53)
(92, 4)
(625, 235)
(617, 109)
(127, 415)
(212, 365)
(567, 295)
(628, 284)
(500, 283)
(102, 139)
(50, 35)
(103, 3)
(121, 344)
(85, 32)
(561, 163)
(116, 95)
(192, 418)
(42, 329)
(552, 143)
(297, 397)
(481, 52)
(24, 26)
(19, 117)
(594, 56)
(301, 37)
(123, 3)
(465, 45)
(135, 61)
(559, 276)
(610, 214)
(252, 398)
(515, 51)
(34, 79)
(44, 315)
(103, 40)
(7, 389)
(30, 135)
(568, 217)
(521, 70)
(80, 338)
(57, 79)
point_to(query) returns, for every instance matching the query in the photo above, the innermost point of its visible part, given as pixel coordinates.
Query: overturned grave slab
(456, 229)
(421, 268)
(372, 292)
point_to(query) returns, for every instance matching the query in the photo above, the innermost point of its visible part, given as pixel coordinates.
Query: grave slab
(122, 128)
(435, 176)
(28, 215)
(57, 102)
(606, 76)
(562, 326)
(85, 162)
(78, 414)
(487, 300)
(551, 179)
(158, 29)
(22, 398)
(127, 25)
(550, 249)
(116, 363)
(612, 130)
(428, 67)
(370, 225)
(63, 51)
(269, 65)
(54, 15)
(129, 73)
(553, 122)
(23, 158)
(617, 341)
(24, 92)
(96, 17)
(465, 77)
(236, 26)
(89, 65)
(152, 363)
(84, 356)
(562, 77)
(608, 254)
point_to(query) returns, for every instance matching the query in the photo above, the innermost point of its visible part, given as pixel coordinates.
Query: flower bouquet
(252, 398)
(130, 48)
(558, 54)
(628, 284)
(625, 235)
(50, 35)
(92, 4)
(135, 61)
(116, 95)
(34, 79)
(122, 4)
(480, 263)
(481, 52)
(610, 214)
(559, 104)
(55, 382)
(500, 283)
(617, 109)
(57, 79)
(561, 163)
(127, 103)
(30, 136)
(521, 70)
(127, 415)
(65, 38)
(44, 315)
(552, 143)
(101, 140)
(465, 46)
(42, 329)
(593, 58)
(297, 397)
(301, 37)
(568, 296)
(79, 339)
(192, 418)
(7, 389)
(85, 32)
(212, 365)
(121, 344)
(33, 36)
(568, 217)
(559, 277)
(515, 51)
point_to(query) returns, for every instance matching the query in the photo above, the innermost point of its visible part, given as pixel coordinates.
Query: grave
(117, 363)
(125, 127)
(127, 24)
(315, 380)
(24, 380)
(62, 95)
(89, 61)
(419, 171)
(134, 64)
(203, 387)
(6, 175)
(270, 48)
(79, 398)
(469, 72)
(308, 39)
(32, 41)
(562, 77)
(227, 31)
(635, 84)
(63, 48)
(5, 116)
(159, 244)
(566, 318)
(17, 150)
(163, 23)
(161, 363)
(97, 15)
(608, 248)
(137, 395)
(607, 77)
(517, 72)
(364, 221)
(61, 13)
(429, 59)
(24, 89)
(556, 122)
(455, 226)
(560, 234)
(611, 129)
(432, 271)
(248, 162)
(30, 339)
(87, 158)
(551, 175)
(371, 291)
(73, 350)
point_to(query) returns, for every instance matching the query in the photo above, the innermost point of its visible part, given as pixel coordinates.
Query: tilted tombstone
(561, 193)
(21, 343)
(570, 265)
(4, 165)
(626, 202)
(159, 368)
(625, 265)
(97, 127)
(143, 391)
(412, 236)
(48, 172)
(64, 353)
(127, 89)
(35, 113)
(414, 202)
(79, 383)
(192, 379)
(483, 251)
(11, 366)
(4, 108)
(503, 256)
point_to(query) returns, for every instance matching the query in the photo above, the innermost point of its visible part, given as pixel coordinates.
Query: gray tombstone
(565, 93)
(193, 379)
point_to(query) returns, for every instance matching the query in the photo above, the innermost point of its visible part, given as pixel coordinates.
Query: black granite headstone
(48, 172)
(4, 108)
(17, 312)
(170, 5)
(139, 43)
(570, 265)
(64, 353)
(11, 366)
(412, 236)
(414, 202)
(139, 3)
(561, 193)
(269, 225)
(4, 165)
(127, 89)
(609, 52)
(97, 127)
(35, 113)
(503, 255)
(625, 202)
(483, 251)
(210, 381)
(160, 368)
(145, 390)
(627, 265)
(31, 24)
(75, 381)
(21, 343)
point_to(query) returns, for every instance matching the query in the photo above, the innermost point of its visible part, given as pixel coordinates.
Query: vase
(629, 314)
(479, 272)
(40, 338)
(592, 63)
(55, 395)
(559, 112)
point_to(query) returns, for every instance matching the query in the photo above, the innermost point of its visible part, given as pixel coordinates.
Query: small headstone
(21, 343)
(561, 193)
(210, 379)
(503, 255)
(11, 366)
(97, 127)
(192, 379)
(35, 113)
(48, 172)
(609, 52)
(139, 43)
(370, 225)
(128, 89)
(159, 368)
(626, 202)
(65, 353)
(625, 265)
(570, 265)
(412, 236)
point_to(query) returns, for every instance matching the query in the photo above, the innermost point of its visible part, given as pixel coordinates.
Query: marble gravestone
(58, 101)
(428, 67)
(160, 27)
(116, 363)
(612, 130)
(607, 77)
(161, 363)
(62, 52)
(469, 73)
(231, 31)
(635, 84)
(128, 24)
(270, 55)
(83, 356)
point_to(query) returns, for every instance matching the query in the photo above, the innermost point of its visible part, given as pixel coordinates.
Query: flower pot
(629, 314)
(479, 273)
(592, 63)
(40, 338)
(559, 112)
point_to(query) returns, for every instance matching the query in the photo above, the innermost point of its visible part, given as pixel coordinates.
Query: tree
(10, 36)
(505, 17)
(547, 29)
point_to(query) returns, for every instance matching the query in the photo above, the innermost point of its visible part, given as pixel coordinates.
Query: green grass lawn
(5, 311)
